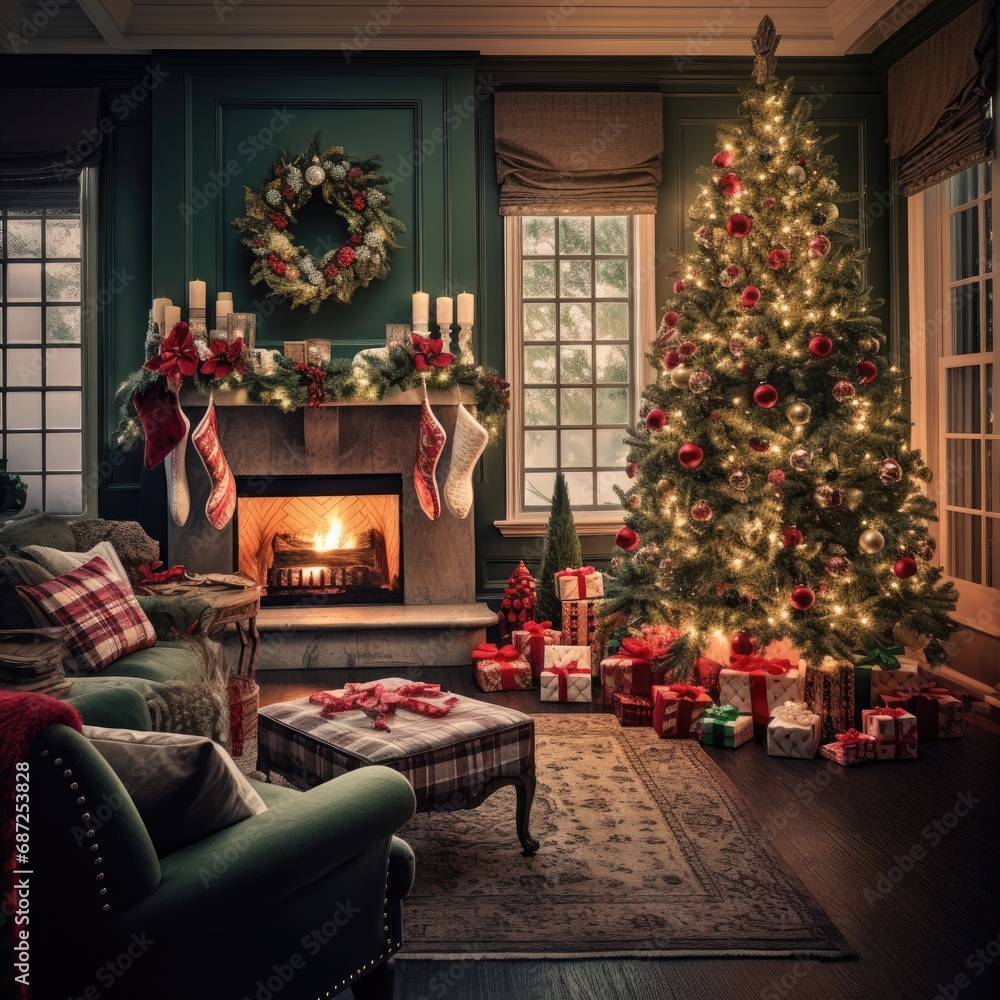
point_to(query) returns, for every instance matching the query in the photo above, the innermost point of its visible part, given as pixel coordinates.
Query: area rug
(647, 850)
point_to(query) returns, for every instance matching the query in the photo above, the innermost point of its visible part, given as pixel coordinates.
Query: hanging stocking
(221, 503)
(468, 444)
(165, 430)
(432, 441)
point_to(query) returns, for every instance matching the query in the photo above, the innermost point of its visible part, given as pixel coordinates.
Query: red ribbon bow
(489, 651)
(430, 351)
(537, 628)
(581, 575)
(852, 736)
(638, 649)
(689, 692)
(178, 355)
(893, 712)
(379, 702)
(752, 663)
(563, 673)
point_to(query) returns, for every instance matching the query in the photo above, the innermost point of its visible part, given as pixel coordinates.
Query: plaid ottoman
(453, 762)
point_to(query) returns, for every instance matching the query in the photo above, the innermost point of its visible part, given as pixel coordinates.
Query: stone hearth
(439, 622)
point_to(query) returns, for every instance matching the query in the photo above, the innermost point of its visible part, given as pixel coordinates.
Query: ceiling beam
(110, 17)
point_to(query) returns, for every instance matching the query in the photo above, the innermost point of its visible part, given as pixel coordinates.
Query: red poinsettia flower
(225, 359)
(178, 355)
(354, 173)
(359, 204)
(345, 256)
(278, 220)
(430, 351)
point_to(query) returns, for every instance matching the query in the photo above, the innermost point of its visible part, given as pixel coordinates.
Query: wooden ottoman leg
(524, 786)
(379, 984)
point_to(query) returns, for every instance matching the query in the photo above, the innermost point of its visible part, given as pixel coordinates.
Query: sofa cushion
(103, 618)
(57, 561)
(166, 661)
(130, 540)
(184, 787)
(37, 529)
(113, 706)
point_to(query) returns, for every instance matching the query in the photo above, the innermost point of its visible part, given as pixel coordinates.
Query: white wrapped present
(756, 686)
(566, 675)
(794, 731)
(583, 584)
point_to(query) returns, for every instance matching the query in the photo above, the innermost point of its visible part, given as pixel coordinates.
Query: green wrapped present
(723, 726)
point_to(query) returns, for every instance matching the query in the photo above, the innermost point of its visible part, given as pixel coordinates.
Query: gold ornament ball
(801, 459)
(634, 501)
(665, 488)
(798, 413)
(830, 210)
(871, 541)
(314, 175)
(869, 345)
(680, 376)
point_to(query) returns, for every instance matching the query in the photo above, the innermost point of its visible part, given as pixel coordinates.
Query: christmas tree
(518, 605)
(561, 550)
(774, 494)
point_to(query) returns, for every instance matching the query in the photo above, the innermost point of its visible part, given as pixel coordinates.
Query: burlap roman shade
(570, 153)
(939, 122)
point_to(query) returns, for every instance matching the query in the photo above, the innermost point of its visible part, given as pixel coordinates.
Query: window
(576, 302)
(42, 347)
(953, 355)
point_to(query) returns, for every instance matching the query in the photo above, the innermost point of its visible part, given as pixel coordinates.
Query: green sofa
(301, 901)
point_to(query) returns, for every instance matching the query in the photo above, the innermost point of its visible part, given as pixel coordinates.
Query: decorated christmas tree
(560, 550)
(518, 605)
(774, 495)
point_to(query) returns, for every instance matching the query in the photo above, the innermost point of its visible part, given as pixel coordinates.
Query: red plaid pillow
(104, 621)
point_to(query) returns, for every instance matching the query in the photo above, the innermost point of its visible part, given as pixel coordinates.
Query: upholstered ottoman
(453, 762)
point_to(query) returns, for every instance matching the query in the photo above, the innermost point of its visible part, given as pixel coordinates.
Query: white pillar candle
(171, 317)
(196, 294)
(466, 308)
(223, 307)
(443, 310)
(158, 306)
(421, 308)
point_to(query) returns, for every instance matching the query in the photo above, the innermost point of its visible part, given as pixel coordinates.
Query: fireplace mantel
(393, 397)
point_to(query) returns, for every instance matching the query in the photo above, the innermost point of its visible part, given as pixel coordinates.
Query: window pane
(63, 452)
(963, 403)
(539, 321)
(63, 410)
(988, 235)
(576, 406)
(612, 278)
(539, 279)
(989, 315)
(612, 406)
(581, 488)
(24, 324)
(965, 319)
(963, 187)
(24, 411)
(965, 244)
(539, 407)
(24, 282)
(963, 465)
(576, 449)
(965, 558)
(539, 365)
(575, 365)
(24, 367)
(574, 279)
(612, 321)
(540, 449)
(62, 282)
(989, 399)
(62, 366)
(606, 481)
(24, 238)
(612, 362)
(611, 447)
(63, 494)
(993, 476)
(992, 552)
(574, 235)
(538, 236)
(538, 489)
(574, 321)
(24, 452)
(611, 234)
(62, 238)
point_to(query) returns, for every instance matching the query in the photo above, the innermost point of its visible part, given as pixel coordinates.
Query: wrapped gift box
(665, 716)
(566, 674)
(584, 584)
(829, 691)
(632, 709)
(756, 686)
(885, 670)
(723, 726)
(531, 641)
(691, 701)
(503, 669)
(850, 747)
(895, 732)
(630, 670)
(579, 628)
(939, 714)
(794, 731)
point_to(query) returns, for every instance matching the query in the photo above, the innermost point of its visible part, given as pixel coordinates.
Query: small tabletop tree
(561, 550)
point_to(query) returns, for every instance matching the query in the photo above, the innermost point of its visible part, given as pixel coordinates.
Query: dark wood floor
(902, 856)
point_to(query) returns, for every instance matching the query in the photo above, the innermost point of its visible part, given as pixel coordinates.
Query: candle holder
(318, 352)
(445, 331)
(465, 343)
(242, 325)
(397, 333)
(422, 328)
(197, 324)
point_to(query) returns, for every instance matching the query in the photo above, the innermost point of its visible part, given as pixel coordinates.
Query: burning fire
(333, 538)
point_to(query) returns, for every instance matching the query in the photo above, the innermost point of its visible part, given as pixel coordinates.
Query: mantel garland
(352, 188)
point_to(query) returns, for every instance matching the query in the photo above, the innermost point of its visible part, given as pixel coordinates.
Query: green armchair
(301, 901)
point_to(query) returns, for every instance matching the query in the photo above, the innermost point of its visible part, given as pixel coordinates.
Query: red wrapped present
(632, 709)
(895, 732)
(579, 628)
(583, 584)
(939, 714)
(850, 747)
(629, 671)
(756, 685)
(532, 640)
(829, 692)
(503, 669)
(691, 701)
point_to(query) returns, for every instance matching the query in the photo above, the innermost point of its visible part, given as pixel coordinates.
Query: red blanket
(22, 718)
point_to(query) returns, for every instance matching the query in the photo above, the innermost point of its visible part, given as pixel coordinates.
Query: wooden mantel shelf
(393, 397)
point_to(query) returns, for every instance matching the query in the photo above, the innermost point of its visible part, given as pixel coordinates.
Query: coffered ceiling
(666, 28)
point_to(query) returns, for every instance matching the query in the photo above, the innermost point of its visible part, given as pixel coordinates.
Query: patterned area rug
(647, 849)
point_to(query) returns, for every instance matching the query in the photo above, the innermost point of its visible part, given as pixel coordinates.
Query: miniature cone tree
(518, 605)
(774, 493)
(561, 550)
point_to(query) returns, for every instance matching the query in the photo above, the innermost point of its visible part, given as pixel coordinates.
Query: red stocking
(221, 503)
(432, 441)
(165, 429)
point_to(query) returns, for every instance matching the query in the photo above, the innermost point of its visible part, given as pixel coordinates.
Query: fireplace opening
(321, 540)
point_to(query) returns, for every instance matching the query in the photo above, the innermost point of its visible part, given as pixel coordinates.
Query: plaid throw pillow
(104, 621)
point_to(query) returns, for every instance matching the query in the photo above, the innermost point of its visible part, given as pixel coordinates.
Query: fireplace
(321, 540)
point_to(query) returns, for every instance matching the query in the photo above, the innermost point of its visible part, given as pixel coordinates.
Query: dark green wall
(430, 118)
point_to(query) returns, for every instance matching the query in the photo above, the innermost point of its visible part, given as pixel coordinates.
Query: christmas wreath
(352, 188)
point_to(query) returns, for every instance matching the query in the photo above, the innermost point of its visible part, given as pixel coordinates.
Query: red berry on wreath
(330, 272)
(359, 204)
(356, 239)
(288, 194)
(278, 220)
(258, 243)
(354, 173)
(345, 256)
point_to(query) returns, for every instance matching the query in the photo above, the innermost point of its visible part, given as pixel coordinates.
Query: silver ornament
(871, 541)
(699, 382)
(830, 210)
(798, 413)
(796, 173)
(801, 459)
(315, 174)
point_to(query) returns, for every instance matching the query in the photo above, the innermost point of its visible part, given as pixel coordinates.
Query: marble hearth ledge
(380, 639)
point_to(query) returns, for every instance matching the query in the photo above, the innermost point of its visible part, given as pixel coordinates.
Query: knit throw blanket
(22, 718)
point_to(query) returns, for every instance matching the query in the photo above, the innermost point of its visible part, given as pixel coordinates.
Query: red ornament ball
(747, 304)
(670, 320)
(803, 598)
(759, 444)
(821, 346)
(742, 644)
(702, 511)
(723, 158)
(778, 258)
(690, 455)
(656, 420)
(765, 395)
(730, 185)
(776, 477)
(751, 293)
(819, 246)
(631, 468)
(838, 565)
(733, 270)
(904, 567)
(687, 349)
(843, 391)
(739, 225)
(867, 371)
(626, 539)
(678, 287)
(791, 537)
(330, 272)
(671, 359)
